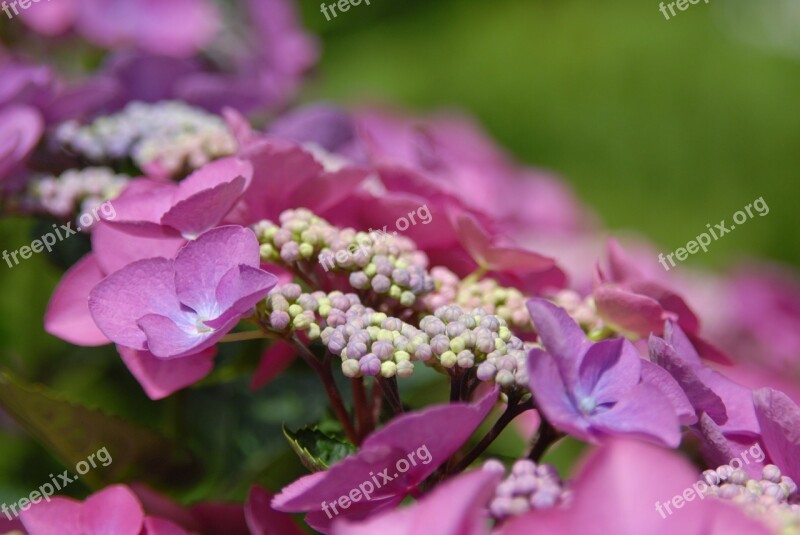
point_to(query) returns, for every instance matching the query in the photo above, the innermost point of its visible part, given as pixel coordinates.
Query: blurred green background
(660, 126)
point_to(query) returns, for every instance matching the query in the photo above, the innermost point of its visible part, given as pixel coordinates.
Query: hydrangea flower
(180, 307)
(20, 130)
(592, 390)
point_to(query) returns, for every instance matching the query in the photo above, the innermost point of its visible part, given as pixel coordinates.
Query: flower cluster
(386, 266)
(167, 138)
(528, 487)
(75, 191)
(774, 497)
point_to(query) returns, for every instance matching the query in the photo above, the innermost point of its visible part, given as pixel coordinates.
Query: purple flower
(198, 203)
(457, 507)
(173, 27)
(620, 489)
(592, 390)
(180, 307)
(379, 454)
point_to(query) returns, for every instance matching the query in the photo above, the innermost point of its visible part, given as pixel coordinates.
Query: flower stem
(246, 335)
(361, 407)
(326, 376)
(545, 437)
(512, 411)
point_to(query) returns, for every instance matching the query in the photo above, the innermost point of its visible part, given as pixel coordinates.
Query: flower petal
(162, 377)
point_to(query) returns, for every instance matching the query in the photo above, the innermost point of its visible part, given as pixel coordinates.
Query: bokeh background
(660, 126)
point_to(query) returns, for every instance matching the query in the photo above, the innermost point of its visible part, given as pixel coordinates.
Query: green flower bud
(499, 344)
(504, 333)
(295, 310)
(324, 309)
(370, 270)
(350, 368)
(395, 292)
(313, 331)
(448, 359)
(401, 356)
(301, 322)
(407, 299)
(306, 250)
(405, 368)
(383, 334)
(388, 369)
(457, 344)
(377, 318)
(268, 252)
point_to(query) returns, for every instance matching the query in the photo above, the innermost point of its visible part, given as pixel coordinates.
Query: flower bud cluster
(528, 487)
(169, 136)
(774, 497)
(389, 266)
(463, 340)
(75, 191)
(487, 293)
(372, 343)
(287, 310)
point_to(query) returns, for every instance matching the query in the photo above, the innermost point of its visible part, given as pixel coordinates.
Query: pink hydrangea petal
(456, 507)
(401, 436)
(159, 526)
(630, 312)
(719, 448)
(51, 18)
(201, 264)
(615, 469)
(112, 511)
(139, 209)
(68, 315)
(62, 514)
(144, 287)
(779, 418)
(562, 337)
(168, 339)
(162, 377)
(115, 249)
(240, 290)
(21, 127)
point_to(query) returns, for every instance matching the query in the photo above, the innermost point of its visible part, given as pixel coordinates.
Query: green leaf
(317, 450)
(73, 433)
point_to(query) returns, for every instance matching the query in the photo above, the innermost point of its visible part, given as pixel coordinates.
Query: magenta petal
(20, 130)
(142, 288)
(456, 507)
(139, 209)
(205, 197)
(406, 434)
(112, 511)
(779, 418)
(719, 448)
(262, 519)
(643, 413)
(51, 18)
(166, 339)
(240, 290)
(159, 526)
(68, 315)
(115, 249)
(201, 265)
(162, 377)
(616, 469)
(629, 312)
(61, 515)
